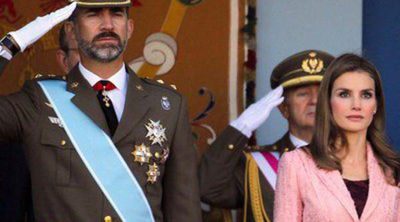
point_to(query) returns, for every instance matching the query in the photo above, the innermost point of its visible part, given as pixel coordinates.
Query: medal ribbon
(267, 162)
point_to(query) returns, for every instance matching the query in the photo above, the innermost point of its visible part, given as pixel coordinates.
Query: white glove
(5, 54)
(31, 32)
(258, 112)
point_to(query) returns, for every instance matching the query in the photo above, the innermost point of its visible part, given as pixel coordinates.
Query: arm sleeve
(287, 204)
(16, 112)
(222, 170)
(181, 198)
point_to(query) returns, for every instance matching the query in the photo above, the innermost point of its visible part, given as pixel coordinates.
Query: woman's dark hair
(323, 146)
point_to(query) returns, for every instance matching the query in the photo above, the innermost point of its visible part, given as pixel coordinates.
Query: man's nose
(107, 21)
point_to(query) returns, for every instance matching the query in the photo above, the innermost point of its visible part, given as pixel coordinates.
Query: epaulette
(159, 82)
(49, 76)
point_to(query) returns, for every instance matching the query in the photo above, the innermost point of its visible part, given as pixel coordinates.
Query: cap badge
(312, 64)
(155, 132)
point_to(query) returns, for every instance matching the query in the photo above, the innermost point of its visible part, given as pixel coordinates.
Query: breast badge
(153, 173)
(142, 154)
(155, 132)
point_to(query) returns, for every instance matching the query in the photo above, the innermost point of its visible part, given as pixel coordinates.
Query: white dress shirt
(118, 95)
(297, 142)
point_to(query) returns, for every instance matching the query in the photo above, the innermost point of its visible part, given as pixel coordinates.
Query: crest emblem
(142, 154)
(312, 64)
(165, 104)
(153, 173)
(155, 132)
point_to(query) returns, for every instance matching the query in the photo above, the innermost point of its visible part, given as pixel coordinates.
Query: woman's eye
(344, 94)
(367, 95)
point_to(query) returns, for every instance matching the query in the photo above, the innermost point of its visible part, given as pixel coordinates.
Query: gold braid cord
(227, 215)
(256, 199)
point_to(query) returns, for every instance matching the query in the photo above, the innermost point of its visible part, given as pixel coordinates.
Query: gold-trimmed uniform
(230, 178)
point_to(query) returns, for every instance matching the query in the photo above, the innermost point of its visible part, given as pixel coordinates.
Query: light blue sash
(100, 156)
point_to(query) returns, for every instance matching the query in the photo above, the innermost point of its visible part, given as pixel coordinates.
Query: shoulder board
(49, 77)
(159, 82)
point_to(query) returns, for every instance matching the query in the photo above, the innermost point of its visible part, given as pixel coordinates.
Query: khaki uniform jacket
(224, 175)
(63, 189)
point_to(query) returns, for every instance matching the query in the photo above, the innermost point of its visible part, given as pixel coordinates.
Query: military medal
(152, 173)
(155, 132)
(165, 103)
(162, 158)
(142, 154)
(106, 100)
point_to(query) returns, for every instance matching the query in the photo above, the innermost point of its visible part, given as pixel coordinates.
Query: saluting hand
(258, 112)
(31, 32)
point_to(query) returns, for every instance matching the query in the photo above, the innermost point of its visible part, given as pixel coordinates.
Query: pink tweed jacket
(306, 193)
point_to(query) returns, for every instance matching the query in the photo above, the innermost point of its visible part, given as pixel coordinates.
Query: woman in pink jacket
(348, 172)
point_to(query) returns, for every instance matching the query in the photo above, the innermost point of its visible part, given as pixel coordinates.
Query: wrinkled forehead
(312, 86)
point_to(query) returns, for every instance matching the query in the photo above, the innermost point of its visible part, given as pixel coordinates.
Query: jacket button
(230, 146)
(63, 142)
(107, 219)
(286, 149)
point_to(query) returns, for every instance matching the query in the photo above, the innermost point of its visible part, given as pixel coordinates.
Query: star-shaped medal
(142, 154)
(155, 132)
(153, 173)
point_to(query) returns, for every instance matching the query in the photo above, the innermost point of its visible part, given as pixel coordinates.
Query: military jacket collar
(136, 103)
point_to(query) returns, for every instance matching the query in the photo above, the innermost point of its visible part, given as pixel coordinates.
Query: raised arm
(18, 41)
(223, 164)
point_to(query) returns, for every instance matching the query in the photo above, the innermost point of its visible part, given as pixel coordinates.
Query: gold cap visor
(302, 80)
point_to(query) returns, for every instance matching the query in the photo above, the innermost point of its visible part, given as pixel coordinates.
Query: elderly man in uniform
(101, 143)
(234, 175)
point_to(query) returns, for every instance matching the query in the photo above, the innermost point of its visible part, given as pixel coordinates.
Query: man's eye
(302, 94)
(91, 14)
(120, 13)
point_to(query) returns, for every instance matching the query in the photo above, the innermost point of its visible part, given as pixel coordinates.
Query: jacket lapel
(136, 106)
(86, 98)
(334, 182)
(376, 184)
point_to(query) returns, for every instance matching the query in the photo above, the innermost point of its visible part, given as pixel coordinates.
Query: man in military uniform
(234, 175)
(144, 125)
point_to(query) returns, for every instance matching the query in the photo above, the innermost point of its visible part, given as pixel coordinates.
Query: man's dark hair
(62, 40)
